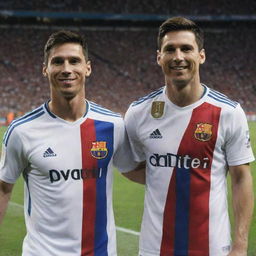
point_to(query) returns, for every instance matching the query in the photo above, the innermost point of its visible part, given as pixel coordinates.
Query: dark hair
(179, 24)
(62, 37)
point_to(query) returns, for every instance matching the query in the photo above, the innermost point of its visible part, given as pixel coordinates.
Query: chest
(82, 150)
(193, 133)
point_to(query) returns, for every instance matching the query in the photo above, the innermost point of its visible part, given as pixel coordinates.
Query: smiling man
(190, 136)
(65, 150)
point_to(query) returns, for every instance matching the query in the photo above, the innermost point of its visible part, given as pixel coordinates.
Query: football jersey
(67, 168)
(187, 152)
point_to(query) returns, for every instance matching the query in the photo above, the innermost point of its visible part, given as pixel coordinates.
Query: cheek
(51, 72)
(194, 65)
(165, 62)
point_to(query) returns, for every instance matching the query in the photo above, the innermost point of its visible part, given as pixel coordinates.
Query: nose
(66, 68)
(178, 56)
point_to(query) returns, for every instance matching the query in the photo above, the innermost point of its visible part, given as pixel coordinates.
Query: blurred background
(121, 35)
(122, 47)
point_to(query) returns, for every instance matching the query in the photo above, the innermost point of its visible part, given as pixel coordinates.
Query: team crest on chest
(157, 109)
(203, 131)
(99, 149)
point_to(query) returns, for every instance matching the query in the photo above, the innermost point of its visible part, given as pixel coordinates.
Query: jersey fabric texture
(187, 151)
(67, 167)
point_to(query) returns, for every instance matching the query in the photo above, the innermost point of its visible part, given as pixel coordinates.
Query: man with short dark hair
(65, 150)
(190, 136)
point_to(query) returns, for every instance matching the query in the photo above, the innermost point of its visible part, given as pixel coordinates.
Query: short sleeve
(12, 158)
(123, 158)
(131, 127)
(238, 146)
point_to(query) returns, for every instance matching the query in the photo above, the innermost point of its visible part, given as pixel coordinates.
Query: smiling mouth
(66, 79)
(178, 67)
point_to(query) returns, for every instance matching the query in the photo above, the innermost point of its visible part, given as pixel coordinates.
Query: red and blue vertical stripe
(94, 229)
(186, 213)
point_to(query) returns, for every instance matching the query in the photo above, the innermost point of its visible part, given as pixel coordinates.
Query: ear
(158, 57)
(202, 56)
(44, 70)
(88, 69)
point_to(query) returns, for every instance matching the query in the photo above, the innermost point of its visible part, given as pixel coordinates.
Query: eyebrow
(179, 46)
(69, 57)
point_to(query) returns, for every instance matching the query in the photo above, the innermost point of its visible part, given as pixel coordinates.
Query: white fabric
(48, 152)
(232, 148)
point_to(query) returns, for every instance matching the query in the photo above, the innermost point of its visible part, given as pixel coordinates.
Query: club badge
(203, 132)
(157, 109)
(99, 149)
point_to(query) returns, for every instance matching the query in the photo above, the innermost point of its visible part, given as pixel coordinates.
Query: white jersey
(68, 168)
(187, 151)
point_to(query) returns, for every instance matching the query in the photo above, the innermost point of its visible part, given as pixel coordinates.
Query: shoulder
(99, 112)
(140, 111)
(222, 100)
(102, 110)
(231, 111)
(143, 105)
(20, 124)
(149, 97)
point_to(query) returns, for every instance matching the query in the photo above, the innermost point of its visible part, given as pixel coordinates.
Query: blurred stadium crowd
(176, 7)
(124, 59)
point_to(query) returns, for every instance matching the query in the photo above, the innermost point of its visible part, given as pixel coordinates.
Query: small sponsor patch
(99, 149)
(156, 134)
(49, 153)
(157, 109)
(203, 132)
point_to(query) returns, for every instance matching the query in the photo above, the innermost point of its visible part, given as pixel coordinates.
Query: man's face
(180, 57)
(67, 70)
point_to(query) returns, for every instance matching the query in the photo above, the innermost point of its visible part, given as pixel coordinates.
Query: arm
(5, 194)
(242, 199)
(137, 175)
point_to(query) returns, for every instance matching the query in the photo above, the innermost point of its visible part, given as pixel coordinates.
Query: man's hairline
(59, 44)
(179, 30)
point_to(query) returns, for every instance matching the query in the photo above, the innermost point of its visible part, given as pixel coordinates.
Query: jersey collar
(46, 105)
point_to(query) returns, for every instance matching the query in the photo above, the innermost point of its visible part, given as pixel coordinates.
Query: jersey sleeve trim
(147, 97)
(222, 98)
(27, 118)
(241, 161)
(101, 110)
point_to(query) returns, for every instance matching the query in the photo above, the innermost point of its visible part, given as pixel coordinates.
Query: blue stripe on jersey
(87, 108)
(222, 98)
(218, 93)
(48, 110)
(182, 211)
(104, 132)
(205, 90)
(103, 111)
(25, 176)
(149, 96)
(23, 117)
(27, 118)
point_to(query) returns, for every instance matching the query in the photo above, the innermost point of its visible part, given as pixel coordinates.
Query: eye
(186, 48)
(74, 61)
(169, 49)
(57, 61)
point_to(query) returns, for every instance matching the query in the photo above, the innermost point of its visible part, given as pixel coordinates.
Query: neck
(68, 109)
(184, 95)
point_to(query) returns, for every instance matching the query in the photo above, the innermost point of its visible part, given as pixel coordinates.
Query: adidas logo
(49, 153)
(156, 135)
